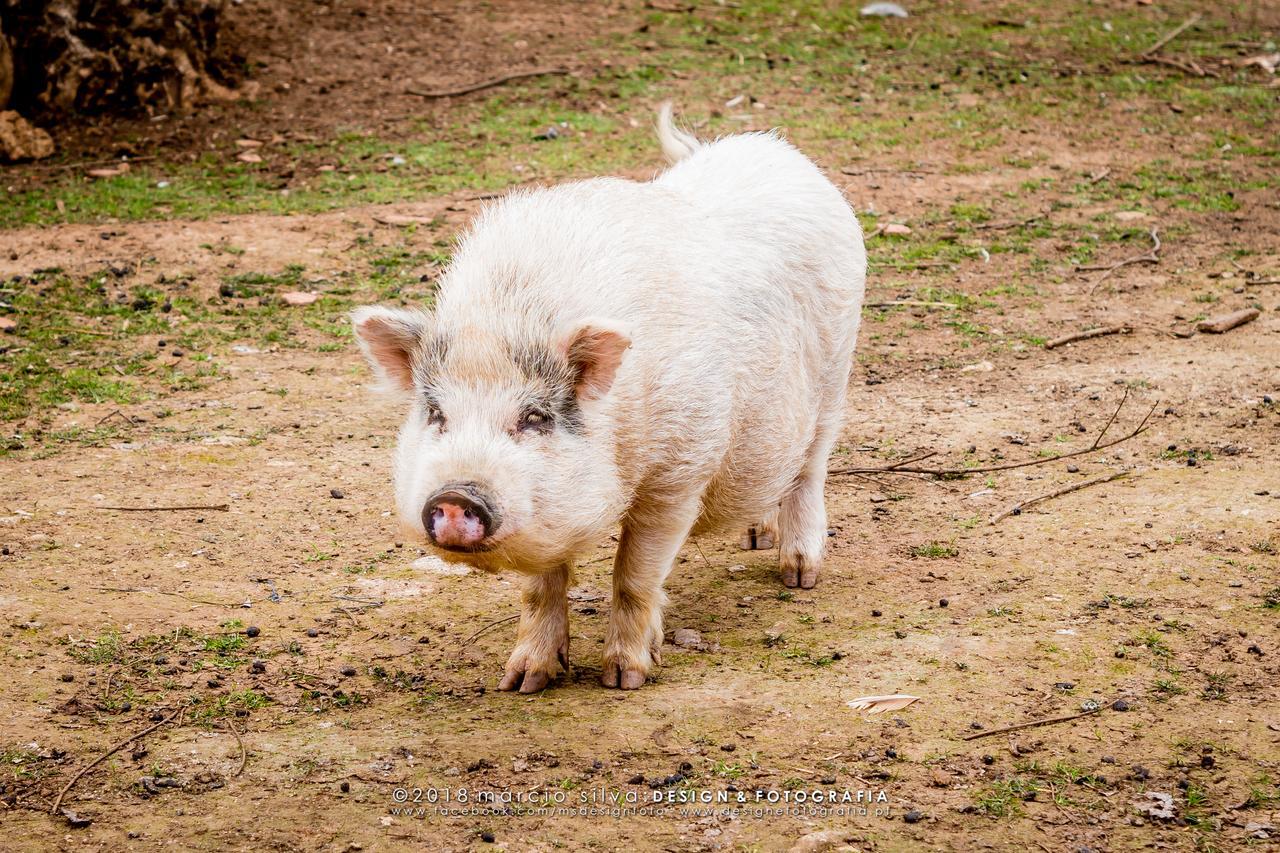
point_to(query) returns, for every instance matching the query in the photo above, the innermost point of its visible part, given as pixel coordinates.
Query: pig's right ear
(389, 338)
(594, 350)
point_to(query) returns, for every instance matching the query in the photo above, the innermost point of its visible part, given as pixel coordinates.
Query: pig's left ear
(389, 338)
(594, 349)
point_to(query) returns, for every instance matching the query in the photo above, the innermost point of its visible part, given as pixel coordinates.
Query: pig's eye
(534, 421)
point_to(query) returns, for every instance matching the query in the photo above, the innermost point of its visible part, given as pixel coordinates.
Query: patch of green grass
(230, 704)
(107, 648)
(935, 550)
(1271, 599)
(727, 770)
(1004, 797)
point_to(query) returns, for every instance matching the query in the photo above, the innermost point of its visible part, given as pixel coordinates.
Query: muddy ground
(299, 665)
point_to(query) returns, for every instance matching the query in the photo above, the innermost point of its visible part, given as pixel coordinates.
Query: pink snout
(459, 517)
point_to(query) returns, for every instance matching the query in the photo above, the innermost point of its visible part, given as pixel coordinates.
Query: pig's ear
(594, 349)
(389, 337)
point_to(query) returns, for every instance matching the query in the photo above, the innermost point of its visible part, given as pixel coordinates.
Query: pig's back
(739, 275)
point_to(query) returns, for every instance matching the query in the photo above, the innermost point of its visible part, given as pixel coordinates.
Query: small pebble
(487, 837)
(258, 666)
(1108, 759)
(214, 683)
(913, 816)
(252, 631)
(728, 747)
(348, 671)
(1141, 773)
(1073, 469)
(313, 632)
(988, 760)
(345, 787)
(66, 676)
(876, 613)
(337, 493)
(1119, 705)
(942, 602)
(1207, 762)
(900, 634)
(891, 753)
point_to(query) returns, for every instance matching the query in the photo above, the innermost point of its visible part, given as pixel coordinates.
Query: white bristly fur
(737, 278)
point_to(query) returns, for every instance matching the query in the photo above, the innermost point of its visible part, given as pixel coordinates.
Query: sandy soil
(326, 666)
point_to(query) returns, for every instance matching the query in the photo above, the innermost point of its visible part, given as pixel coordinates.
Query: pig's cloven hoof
(529, 676)
(799, 572)
(757, 539)
(616, 675)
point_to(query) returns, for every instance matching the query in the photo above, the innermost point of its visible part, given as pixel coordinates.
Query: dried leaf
(1157, 805)
(882, 704)
(249, 157)
(298, 298)
(8, 324)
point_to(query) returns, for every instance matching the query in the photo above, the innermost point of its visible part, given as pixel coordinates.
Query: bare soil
(370, 672)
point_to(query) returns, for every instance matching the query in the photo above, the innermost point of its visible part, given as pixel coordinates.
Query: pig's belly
(761, 466)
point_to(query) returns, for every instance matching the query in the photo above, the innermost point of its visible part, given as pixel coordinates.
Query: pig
(666, 357)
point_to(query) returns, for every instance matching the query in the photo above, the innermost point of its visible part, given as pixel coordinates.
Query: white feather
(882, 704)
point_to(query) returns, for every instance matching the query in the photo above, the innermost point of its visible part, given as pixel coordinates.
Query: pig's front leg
(542, 643)
(646, 549)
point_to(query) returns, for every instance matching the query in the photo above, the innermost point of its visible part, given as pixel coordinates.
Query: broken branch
(1032, 724)
(1096, 332)
(905, 466)
(1227, 322)
(486, 84)
(1017, 508)
(1151, 257)
(210, 507)
(57, 803)
(908, 303)
(1172, 34)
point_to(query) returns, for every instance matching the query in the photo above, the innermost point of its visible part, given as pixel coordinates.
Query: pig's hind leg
(802, 519)
(542, 642)
(652, 536)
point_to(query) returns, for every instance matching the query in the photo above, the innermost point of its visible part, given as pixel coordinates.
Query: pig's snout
(460, 517)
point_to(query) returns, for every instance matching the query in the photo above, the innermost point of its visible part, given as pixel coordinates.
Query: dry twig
(504, 620)
(244, 756)
(1017, 508)
(57, 803)
(908, 303)
(1032, 724)
(1096, 332)
(1151, 257)
(486, 84)
(209, 507)
(905, 467)
(1172, 34)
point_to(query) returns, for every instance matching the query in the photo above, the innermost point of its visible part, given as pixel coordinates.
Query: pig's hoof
(528, 676)
(799, 572)
(756, 539)
(617, 675)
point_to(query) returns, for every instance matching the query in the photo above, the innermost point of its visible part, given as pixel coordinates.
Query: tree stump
(112, 56)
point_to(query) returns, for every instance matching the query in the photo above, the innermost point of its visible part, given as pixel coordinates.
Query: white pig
(670, 357)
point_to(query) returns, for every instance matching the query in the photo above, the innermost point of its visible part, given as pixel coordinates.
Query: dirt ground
(318, 667)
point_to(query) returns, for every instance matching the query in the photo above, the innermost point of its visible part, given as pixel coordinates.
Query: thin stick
(1098, 332)
(1248, 281)
(469, 640)
(1065, 490)
(131, 589)
(914, 303)
(210, 507)
(1172, 34)
(1151, 257)
(901, 468)
(1124, 399)
(1031, 724)
(1004, 226)
(486, 84)
(243, 755)
(57, 803)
